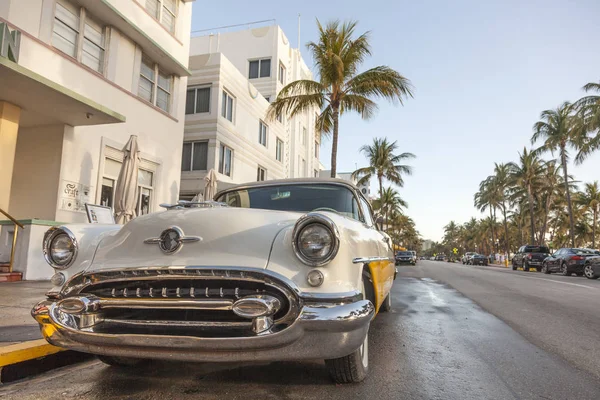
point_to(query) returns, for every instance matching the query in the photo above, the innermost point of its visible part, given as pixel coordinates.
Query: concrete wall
(37, 169)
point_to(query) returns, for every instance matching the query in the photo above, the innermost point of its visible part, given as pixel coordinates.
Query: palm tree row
(540, 202)
(385, 164)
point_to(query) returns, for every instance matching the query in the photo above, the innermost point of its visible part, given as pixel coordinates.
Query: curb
(21, 360)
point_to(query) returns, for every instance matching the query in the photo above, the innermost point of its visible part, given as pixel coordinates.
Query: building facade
(245, 70)
(79, 77)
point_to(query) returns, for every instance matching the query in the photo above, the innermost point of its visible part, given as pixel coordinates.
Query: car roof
(291, 181)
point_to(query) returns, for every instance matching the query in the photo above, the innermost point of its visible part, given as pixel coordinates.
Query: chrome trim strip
(223, 305)
(317, 218)
(366, 260)
(49, 236)
(179, 324)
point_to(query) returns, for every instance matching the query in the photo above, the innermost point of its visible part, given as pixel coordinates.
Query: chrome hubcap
(589, 272)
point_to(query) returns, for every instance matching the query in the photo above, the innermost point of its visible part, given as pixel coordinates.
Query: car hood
(227, 237)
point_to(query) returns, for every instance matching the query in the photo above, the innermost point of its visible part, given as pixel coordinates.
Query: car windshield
(583, 251)
(404, 253)
(301, 198)
(536, 249)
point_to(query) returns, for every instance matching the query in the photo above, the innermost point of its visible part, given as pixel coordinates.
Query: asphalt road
(522, 336)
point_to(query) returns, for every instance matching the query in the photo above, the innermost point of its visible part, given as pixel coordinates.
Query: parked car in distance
(279, 270)
(467, 256)
(478, 259)
(568, 261)
(440, 257)
(404, 257)
(530, 256)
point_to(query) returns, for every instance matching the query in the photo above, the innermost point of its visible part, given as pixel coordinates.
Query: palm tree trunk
(594, 229)
(493, 238)
(568, 193)
(506, 239)
(334, 141)
(496, 240)
(380, 180)
(545, 225)
(530, 198)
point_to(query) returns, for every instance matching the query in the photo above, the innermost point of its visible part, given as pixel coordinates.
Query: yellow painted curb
(25, 351)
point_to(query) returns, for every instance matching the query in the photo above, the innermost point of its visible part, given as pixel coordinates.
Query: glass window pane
(107, 191)
(265, 68)
(221, 159)
(112, 168)
(92, 56)
(163, 100)
(229, 108)
(170, 5)
(67, 16)
(153, 7)
(145, 89)
(186, 157)
(164, 81)
(203, 100)
(144, 201)
(189, 101)
(147, 69)
(253, 73)
(94, 33)
(168, 20)
(200, 156)
(228, 161)
(224, 106)
(145, 177)
(64, 38)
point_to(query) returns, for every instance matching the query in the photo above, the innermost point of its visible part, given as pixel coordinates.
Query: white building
(79, 77)
(234, 77)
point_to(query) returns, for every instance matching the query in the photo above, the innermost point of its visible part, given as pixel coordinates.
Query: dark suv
(530, 256)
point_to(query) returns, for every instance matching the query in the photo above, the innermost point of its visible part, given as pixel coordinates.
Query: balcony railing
(17, 225)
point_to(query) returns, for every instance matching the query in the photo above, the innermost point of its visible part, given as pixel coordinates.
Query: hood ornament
(171, 240)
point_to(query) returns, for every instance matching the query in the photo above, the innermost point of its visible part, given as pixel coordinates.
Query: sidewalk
(23, 351)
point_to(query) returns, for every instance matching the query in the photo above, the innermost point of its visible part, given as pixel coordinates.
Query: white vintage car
(270, 271)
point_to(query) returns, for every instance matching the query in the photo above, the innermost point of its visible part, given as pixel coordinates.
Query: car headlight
(315, 239)
(60, 247)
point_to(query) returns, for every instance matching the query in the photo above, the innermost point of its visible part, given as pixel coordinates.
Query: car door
(551, 260)
(383, 270)
(519, 257)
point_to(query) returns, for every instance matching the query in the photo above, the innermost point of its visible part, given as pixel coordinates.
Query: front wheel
(525, 266)
(564, 271)
(589, 273)
(514, 266)
(354, 367)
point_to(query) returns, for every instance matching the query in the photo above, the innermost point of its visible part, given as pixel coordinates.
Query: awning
(45, 102)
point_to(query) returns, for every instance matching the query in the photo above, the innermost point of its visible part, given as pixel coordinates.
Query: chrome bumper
(320, 331)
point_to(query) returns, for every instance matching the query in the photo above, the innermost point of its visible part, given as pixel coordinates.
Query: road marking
(564, 283)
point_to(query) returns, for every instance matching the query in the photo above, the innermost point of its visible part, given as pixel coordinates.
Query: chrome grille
(123, 290)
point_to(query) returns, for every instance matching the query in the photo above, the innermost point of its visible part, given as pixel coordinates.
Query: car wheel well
(369, 286)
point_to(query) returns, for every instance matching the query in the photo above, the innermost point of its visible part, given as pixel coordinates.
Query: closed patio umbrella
(210, 188)
(126, 190)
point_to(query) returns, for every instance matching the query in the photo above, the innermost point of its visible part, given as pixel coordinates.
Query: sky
(482, 71)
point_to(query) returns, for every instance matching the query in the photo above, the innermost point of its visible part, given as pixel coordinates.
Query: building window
(303, 138)
(145, 186)
(279, 150)
(317, 149)
(262, 133)
(69, 22)
(259, 68)
(227, 106)
(153, 90)
(281, 74)
(195, 156)
(316, 172)
(145, 183)
(197, 100)
(226, 160)
(261, 174)
(164, 11)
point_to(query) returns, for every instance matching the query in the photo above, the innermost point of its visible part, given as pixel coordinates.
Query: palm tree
(390, 201)
(589, 200)
(526, 175)
(502, 182)
(551, 183)
(589, 110)
(486, 198)
(383, 163)
(340, 88)
(560, 129)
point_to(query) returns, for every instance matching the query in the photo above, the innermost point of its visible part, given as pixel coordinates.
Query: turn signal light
(256, 306)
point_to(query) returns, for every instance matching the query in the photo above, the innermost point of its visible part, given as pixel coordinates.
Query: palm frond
(381, 82)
